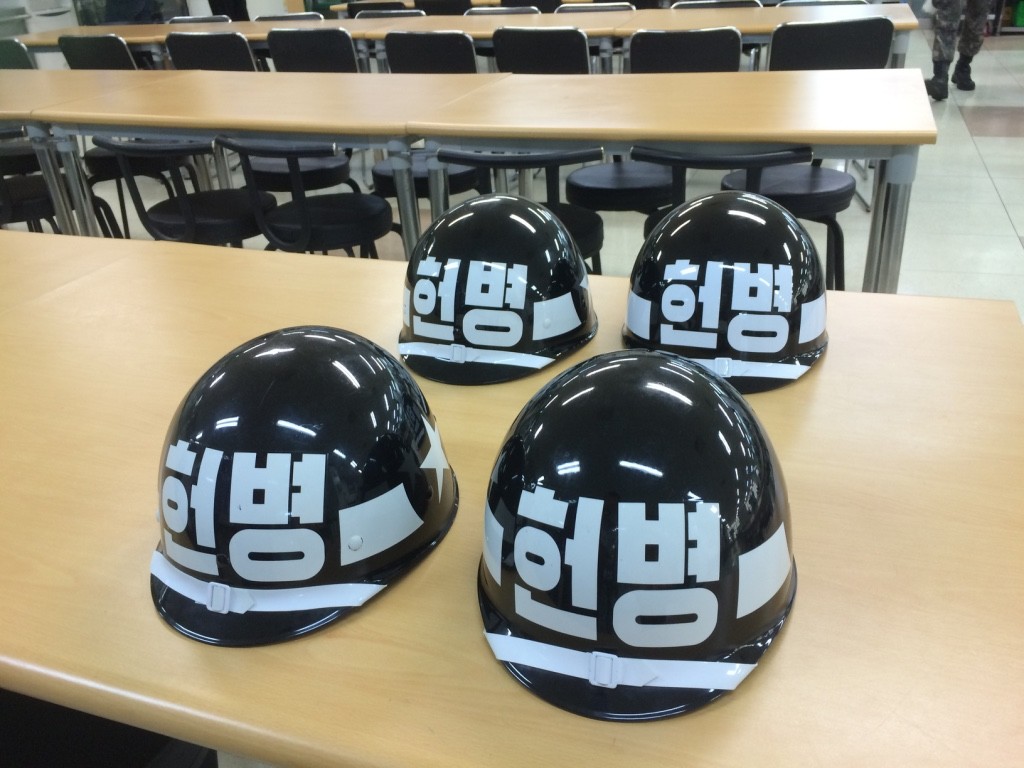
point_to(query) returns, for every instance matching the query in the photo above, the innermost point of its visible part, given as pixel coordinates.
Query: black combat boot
(962, 74)
(938, 86)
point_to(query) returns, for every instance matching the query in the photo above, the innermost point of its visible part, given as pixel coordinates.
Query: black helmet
(637, 558)
(495, 289)
(732, 281)
(300, 476)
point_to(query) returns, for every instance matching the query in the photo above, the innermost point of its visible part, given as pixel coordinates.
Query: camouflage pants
(947, 19)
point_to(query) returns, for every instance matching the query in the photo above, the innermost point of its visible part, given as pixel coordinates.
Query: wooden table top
(24, 90)
(862, 107)
(295, 102)
(902, 452)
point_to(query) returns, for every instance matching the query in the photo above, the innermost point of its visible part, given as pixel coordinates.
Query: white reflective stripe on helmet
(555, 317)
(221, 598)
(459, 353)
(606, 670)
(727, 367)
(638, 316)
(763, 571)
(812, 319)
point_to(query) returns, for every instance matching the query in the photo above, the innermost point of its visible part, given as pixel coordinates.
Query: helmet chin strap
(606, 670)
(459, 353)
(221, 598)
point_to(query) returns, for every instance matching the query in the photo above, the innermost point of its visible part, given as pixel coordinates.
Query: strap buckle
(605, 670)
(218, 598)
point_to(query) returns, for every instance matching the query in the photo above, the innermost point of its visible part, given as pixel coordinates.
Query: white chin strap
(728, 367)
(606, 670)
(221, 598)
(460, 353)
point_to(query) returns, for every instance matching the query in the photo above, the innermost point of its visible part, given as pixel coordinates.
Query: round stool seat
(806, 191)
(271, 173)
(461, 178)
(336, 221)
(630, 185)
(586, 228)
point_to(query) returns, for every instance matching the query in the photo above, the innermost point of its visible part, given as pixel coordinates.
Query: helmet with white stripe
(300, 476)
(732, 281)
(495, 289)
(637, 559)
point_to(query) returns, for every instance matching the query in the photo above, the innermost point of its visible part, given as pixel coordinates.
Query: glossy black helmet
(637, 558)
(732, 281)
(300, 476)
(495, 290)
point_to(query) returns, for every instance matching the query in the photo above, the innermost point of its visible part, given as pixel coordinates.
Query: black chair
(847, 44)
(112, 52)
(355, 7)
(428, 53)
(212, 217)
(216, 18)
(373, 50)
(544, 6)
(230, 51)
(310, 222)
(586, 227)
(38, 734)
(485, 48)
(753, 50)
(296, 16)
(604, 49)
(541, 50)
(312, 50)
(635, 185)
(813, 192)
(14, 55)
(443, 7)
(697, 50)
(222, 51)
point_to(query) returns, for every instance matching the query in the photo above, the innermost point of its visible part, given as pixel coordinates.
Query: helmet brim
(624, 703)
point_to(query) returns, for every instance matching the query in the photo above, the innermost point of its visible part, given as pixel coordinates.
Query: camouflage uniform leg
(947, 19)
(973, 33)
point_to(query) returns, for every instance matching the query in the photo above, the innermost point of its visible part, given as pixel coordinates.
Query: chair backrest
(692, 4)
(312, 50)
(14, 55)
(430, 52)
(292, 153)
(823, 2)
(226, 51)
(297, 16)
(846, 44)
(592, 7)
(388, 14)
(355, 7)
(544, 6)
(96, 52)
(753, 163)
(442, 7)
(696, 50)
(218, 18)
(500, 10)
(541, 51)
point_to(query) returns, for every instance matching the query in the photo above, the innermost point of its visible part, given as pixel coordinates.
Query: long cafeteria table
(901, 451)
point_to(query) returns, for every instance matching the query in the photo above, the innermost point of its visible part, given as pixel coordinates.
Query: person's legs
(947, 19)
(971, 38)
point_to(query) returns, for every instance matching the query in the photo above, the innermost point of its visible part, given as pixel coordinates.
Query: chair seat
(461, 178)
(29, 198)
(101, 165)
(222, 216)
(337, 220)
(629, 185)
(271, 173)
(806, 191)
(585, 226)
